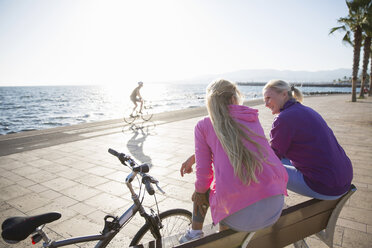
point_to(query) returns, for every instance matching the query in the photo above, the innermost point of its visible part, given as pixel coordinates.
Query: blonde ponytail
(231, 134)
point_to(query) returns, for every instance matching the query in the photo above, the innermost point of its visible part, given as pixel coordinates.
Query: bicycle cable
(140, 190)
(157, 206)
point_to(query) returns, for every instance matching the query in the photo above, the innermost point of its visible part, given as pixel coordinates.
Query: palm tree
(353, 24)
(366, 52)
(367, 28)
(370, 78)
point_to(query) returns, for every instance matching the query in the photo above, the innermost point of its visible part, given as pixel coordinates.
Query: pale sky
(124, 41)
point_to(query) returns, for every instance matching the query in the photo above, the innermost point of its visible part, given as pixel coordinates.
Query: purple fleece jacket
(302, 135)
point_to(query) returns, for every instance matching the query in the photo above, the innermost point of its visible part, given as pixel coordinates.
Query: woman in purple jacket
(318, 167)
(237, 173)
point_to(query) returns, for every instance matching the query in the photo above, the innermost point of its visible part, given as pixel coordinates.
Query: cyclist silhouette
(135, 97)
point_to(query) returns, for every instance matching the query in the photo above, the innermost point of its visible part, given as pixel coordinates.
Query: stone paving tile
(4, 182)
(26, 183)
(26, 170)
(5, 161)
(73, 227)
(352, 224)
(358, 215)
(13, 191)
(83, 164)
(12, 176)
(65, 201)
(58, 184)
(50, 194)
(67, 161)
(54, 155)
(107, 203)
(100, 171)
(118, 176)
(80, 192)
(12, 164)
(112, 187)
(54, 168)
(91, 180)
(369, 229)
(28, 202)
(83, 208)
(72, 173)
(355, 239)
(83, 182)
(24, 156)
(39, 163)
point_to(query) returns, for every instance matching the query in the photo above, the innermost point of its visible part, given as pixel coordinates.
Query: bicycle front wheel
(147, 115)
(175, 221)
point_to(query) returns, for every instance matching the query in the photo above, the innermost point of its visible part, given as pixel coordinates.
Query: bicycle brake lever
(162, 191)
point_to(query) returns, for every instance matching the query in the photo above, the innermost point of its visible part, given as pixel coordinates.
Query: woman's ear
(285, 95)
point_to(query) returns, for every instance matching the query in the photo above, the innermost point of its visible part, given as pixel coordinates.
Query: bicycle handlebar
(113, 152)
(147, 181)
(142, 169)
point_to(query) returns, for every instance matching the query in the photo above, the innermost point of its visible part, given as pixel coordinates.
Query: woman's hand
(186, 167)
(201, 202)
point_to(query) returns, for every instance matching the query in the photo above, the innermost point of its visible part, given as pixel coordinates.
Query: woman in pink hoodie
(237, 173)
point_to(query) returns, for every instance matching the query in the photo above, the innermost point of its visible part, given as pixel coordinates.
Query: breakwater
(334, 85)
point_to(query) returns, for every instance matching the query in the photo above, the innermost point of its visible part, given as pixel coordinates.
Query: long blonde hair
(220, 95)
(280, 86)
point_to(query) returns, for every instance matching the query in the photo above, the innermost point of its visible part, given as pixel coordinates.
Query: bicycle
(158, 225)
(146, 114)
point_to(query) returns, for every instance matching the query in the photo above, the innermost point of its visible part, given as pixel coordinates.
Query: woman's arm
(186, 167)
(203, 157)
(139, 94)
(281, 136)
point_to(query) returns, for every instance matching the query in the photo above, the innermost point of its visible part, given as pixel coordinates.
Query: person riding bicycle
(136, 97)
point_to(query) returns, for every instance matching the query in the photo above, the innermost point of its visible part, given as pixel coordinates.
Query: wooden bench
(295, 224)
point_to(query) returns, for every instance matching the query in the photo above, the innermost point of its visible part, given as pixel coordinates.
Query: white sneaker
(188, 236)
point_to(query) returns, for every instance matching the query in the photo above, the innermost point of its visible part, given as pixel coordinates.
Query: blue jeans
(297, 184)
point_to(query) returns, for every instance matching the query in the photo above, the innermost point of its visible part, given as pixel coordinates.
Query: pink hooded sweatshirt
(228, 194)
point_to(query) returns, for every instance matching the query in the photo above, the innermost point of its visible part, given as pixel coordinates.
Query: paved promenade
(69, 170)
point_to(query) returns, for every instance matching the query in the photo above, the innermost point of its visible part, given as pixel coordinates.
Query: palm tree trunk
(370, 78)
(366, 51)
(356, 58)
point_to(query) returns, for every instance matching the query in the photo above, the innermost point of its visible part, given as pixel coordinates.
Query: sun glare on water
(120, 93)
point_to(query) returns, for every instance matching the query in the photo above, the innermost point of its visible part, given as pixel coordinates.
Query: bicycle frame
(112, 228)
(103, 238)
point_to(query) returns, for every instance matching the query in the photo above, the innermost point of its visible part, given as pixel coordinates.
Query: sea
(41, 107)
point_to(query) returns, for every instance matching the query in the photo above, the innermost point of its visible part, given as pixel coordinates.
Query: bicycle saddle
(17, 228)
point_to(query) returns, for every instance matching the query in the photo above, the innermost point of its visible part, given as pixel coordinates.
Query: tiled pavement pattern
(83, 182)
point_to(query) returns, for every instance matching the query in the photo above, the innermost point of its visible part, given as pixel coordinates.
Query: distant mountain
(266, 75)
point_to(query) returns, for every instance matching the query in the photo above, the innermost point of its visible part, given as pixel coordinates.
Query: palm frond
(340, 28)
(347, 39)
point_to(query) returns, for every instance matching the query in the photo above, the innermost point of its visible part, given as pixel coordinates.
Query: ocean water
(41, 107)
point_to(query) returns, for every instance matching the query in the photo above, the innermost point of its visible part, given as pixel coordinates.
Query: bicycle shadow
(135, 146)
(149, 127)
